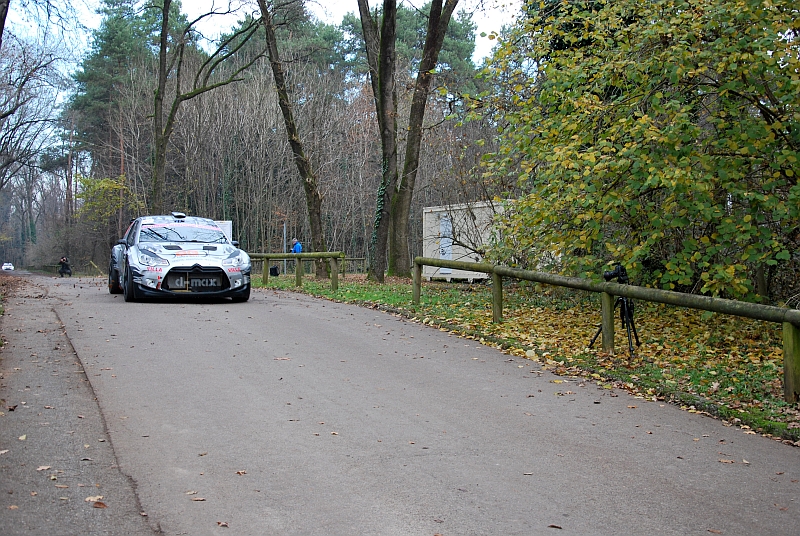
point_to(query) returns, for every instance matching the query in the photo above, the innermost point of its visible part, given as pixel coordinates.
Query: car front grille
(196, 279)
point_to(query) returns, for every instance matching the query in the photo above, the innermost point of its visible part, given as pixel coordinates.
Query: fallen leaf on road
(13, 507)
(282, 359)
(80, 416)
(43, 468)
(191, 492)
(198, 499)
(745, 462)
(222, 523)
(241, 472)
(553, 527)
(61, 486)
(99, 504)
(23, 437)
(3, 451)
(93, 498)
(726, 461)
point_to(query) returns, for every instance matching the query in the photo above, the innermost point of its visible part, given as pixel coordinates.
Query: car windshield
(181, 232)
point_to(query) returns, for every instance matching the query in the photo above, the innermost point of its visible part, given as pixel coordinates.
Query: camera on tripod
(619, 273)
(625, 307)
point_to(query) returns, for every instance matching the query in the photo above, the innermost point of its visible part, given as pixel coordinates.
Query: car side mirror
(235, 243)
(122, 241)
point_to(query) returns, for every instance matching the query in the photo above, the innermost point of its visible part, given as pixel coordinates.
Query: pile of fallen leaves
(9, 283)
(725, 366)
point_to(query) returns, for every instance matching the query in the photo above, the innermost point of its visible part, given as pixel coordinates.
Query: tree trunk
(303, 163)
(438, 21)
(3, 13)
(159, 136)
(762, 287)
(381, 58)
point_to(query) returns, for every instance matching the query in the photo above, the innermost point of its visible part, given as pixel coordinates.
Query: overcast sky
(489, 15)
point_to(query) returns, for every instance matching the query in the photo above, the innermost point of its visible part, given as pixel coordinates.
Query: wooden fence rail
(334, 257)
(789, 318)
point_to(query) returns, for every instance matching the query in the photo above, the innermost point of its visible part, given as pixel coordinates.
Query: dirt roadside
(58, 472)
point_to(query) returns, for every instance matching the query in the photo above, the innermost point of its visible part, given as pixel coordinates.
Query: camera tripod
(626, 316)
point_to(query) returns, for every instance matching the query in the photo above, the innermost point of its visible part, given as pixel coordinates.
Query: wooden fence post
(497, 298)
(334, 274)
(264, 271)
(417, 286)
(791, 362)
(607, 321)
(298, 273)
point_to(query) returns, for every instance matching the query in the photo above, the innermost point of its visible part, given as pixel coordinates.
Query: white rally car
(178, 255)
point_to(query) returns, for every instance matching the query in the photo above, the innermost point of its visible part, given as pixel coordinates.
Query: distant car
(8, 266)
(178, 255)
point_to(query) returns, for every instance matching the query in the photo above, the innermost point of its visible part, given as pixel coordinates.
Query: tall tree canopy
(663, 134)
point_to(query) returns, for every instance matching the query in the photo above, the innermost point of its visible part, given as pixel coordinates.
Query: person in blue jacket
(297, 247)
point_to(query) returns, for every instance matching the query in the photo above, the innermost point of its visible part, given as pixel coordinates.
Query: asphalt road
(289, 415)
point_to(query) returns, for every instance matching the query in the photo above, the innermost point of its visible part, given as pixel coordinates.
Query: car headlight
(237, 259)
(152, 260)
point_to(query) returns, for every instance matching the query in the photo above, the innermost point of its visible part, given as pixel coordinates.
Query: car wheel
(114, 283)
(243, 297)
(129, 291)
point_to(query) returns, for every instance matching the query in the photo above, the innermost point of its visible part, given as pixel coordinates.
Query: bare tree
(171, 55)
(27, 101)
(396, 192)
(381, 56)
(438, 21)
(52, 10)
(303, 163)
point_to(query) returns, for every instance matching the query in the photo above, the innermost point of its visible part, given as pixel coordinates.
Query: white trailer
(227, 227)
(456, 232)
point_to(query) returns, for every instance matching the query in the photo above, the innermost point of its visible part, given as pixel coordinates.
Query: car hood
(194, 249)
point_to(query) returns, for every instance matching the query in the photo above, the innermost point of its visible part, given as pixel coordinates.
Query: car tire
(114, 282)
(129, 290)
(243, 297)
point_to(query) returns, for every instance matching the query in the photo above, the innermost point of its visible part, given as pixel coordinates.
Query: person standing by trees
(297, 247)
